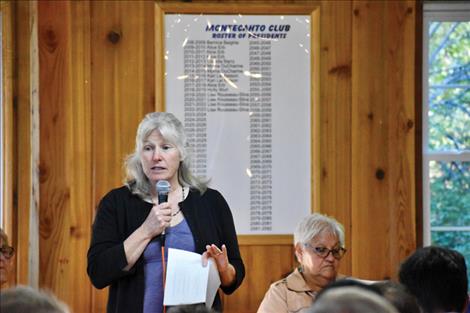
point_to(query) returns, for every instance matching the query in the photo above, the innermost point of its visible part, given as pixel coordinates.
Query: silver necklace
(182, 199)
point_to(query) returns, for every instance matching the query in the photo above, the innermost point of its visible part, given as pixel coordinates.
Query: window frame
(445, 12)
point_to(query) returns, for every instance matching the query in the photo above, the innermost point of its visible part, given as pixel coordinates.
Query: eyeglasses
(7, 251)
(323, 252)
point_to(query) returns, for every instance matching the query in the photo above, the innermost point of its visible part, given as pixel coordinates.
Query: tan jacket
(288, 295)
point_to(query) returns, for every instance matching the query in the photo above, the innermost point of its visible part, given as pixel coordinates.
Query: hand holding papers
(187, 281)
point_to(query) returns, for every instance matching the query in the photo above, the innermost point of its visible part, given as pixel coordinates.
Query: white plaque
(241, 87)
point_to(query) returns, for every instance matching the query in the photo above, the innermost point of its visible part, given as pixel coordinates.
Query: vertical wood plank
(23, 14)
(315, 112)
(159, 60)
(123, 90)
(382, 155)
(79, 122)
(28, 142)
(55, 98)
(8, 127)
(335, 111)
(400, 16)
(418, 100)
(370, 176)
(65, 136)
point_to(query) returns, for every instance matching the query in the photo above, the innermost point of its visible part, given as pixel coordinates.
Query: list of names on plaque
(207, 89)
(260, 136)
(227, 75)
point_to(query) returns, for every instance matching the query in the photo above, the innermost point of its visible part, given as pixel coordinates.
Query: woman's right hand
(158, 219)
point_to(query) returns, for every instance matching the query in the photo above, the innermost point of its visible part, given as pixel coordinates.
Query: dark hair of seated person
(437, 277)
(398, 295)
(348, 282)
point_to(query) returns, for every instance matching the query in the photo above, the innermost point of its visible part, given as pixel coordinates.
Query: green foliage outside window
(449, 65)
(449, 132)
(450, 193)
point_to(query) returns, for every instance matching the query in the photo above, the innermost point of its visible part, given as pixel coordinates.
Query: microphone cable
(163, 272)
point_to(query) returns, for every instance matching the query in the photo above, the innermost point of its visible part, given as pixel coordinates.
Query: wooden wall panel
(382, 152)
(400, 96)
(264, 265)
(65, 162)
(9, 162)
(369, 148)
(27, 65)
(123, 90)
(79, 120)
(335, 115)
(55, 98)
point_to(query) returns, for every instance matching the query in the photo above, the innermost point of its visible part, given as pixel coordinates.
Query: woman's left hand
(220, 256)
(226, 270)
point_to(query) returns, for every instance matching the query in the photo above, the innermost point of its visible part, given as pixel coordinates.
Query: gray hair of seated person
(314, 224)
(24, 299)
(351, 300)
(190, 308)
(3, 236)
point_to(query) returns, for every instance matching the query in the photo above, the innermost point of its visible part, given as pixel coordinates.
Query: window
(446, 126)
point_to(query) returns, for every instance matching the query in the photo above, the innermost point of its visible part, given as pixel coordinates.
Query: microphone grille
(163, 186)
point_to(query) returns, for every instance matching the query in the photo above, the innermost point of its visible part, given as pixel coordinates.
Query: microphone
(163, 189)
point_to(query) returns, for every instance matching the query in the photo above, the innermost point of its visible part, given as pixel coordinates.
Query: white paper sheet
(187, 281)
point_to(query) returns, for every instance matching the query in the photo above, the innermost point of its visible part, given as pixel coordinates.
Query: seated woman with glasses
(6, 255)
(319, 247)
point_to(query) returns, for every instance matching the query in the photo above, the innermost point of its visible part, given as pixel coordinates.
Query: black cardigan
(120, 213)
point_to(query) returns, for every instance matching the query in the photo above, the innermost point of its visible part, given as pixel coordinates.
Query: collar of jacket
(296, 282)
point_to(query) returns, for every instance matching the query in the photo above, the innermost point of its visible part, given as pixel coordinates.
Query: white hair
(351, 300)
(314, 224)
(27, 299)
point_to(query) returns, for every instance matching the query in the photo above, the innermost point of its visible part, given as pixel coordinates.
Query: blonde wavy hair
(172, 131)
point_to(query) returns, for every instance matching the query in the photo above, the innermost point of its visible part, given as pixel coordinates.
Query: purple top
(178, 237)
